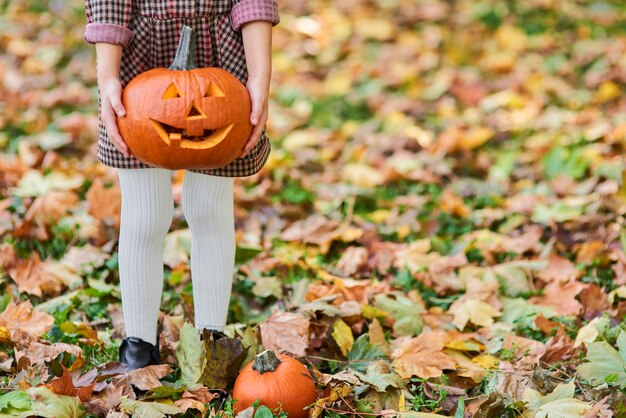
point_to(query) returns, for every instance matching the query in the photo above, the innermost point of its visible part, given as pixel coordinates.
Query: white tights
(146, 216)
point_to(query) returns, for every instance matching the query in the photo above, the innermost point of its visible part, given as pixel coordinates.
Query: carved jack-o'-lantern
(183, 116)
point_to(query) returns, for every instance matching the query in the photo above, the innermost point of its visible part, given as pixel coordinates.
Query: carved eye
(172, 92)
(214, 91)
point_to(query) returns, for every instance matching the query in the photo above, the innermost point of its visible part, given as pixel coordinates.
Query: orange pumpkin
(275, 380)
(185, 117)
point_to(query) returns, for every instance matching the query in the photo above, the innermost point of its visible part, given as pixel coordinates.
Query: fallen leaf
(605, 364)
(287, 332)
(44, 403)
(139, 409)
(342, 334)
(190, 354)
(105, 203)
(20, 319)
(474, 311)
(422, 356)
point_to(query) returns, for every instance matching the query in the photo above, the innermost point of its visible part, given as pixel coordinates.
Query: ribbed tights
(146, 216)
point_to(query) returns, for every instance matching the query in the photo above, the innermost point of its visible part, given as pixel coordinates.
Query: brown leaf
(422, 356)
(469, 94)
(51, 207)
(31, 276)
(319, 230)
(24, 319)
(37, 352)
(224, 357)
(84, 259)
(353, 260)
(588, 251)
(594, 301)
(201, 394)
(545, 325)
(64, 385)
(287, 331)
(145, 378)
(562, 297)
(106, 400)
(186, 403)
(104, 203)
(559, 269)
(377, 335)
(559, 348)
(526, 350)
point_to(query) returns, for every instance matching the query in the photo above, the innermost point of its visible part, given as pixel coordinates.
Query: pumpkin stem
(265, 362)
(186, 51)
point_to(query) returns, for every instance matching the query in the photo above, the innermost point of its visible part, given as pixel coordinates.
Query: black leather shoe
(136, 353)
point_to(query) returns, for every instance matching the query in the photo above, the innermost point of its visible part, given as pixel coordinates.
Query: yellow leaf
(370, 312)
(607, 91)
(5, 335)
(590, 332)
(474, 311)
(362, 175)
(342, 335)
(620, 292)
(462, 345)
(486, 361)
(475, 137)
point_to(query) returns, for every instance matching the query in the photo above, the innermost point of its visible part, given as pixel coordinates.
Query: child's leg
(146, 216)
(207, 203)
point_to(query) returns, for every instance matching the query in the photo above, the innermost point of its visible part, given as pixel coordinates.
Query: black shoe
(136, 353)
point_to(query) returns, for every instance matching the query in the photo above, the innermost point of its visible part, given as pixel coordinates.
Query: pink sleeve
(107, 21)
(249, 10)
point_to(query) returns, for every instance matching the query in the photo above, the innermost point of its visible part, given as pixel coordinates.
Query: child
(132, 37)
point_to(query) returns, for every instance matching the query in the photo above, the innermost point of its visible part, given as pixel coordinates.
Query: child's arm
(257, 41)
(107, 28)
(255, 18)
(108, 57)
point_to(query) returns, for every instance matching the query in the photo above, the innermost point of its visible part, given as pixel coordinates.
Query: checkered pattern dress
(149, 31)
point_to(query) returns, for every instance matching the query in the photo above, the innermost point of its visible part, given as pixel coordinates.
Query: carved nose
(195, 112)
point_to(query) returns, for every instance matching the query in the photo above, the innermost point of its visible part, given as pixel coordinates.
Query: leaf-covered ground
(439, 230)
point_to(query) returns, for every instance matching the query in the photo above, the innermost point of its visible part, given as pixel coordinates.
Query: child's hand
(111, 105)
(258, 117)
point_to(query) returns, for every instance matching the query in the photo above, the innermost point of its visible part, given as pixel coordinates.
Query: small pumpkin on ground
(185, 117)
(275, 380)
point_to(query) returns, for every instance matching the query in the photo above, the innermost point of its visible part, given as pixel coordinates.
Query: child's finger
(257, 107)
(110, 123)
(117, 105)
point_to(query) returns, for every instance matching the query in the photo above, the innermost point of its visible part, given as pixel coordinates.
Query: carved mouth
(172, 135)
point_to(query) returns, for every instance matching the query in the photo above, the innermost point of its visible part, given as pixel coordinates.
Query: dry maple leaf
(286, 331)
(106, 400)
(37, 352)
(559, 269)
(594, 300)
(353, 260)
(64, 385)
(526, 350)
(474, 311)
(562, 297)
(50, 207)
(31, 276)
(145, 378)
(559, 348)
(21, 317)
(422, 356)
(105, 204)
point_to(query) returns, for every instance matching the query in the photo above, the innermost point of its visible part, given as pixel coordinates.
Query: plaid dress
(149, 30)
